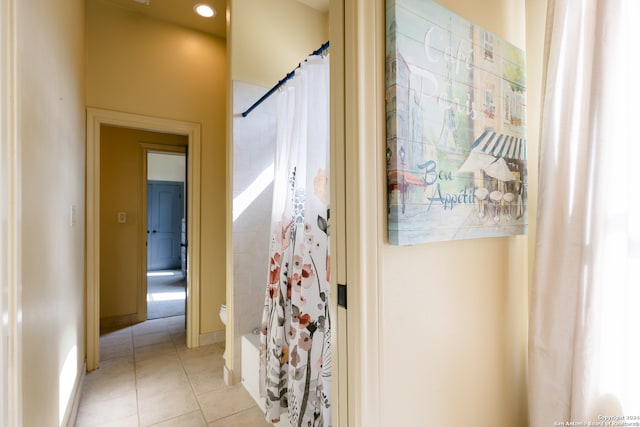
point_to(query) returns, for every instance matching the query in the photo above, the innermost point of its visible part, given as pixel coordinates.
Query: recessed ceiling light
(204, 10)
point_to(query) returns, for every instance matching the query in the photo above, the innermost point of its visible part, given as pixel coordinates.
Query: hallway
(147, 377)
(166, 293)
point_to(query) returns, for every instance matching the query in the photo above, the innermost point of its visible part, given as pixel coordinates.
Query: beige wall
(536, 16)
(143, 66)
(51, 134)
(269, 38)
(454, 314)
(121, 173)
(447, 342)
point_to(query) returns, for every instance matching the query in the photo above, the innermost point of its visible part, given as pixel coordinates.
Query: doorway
(166, 234)
(96, 119)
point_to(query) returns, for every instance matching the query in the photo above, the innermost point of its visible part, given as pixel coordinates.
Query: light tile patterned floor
(147, 377)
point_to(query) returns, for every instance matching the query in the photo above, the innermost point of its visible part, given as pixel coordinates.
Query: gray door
(165, 210)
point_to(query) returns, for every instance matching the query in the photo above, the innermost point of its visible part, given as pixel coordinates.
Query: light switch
(122, 217)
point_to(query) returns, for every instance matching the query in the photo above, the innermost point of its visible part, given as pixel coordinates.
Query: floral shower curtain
(295, 339)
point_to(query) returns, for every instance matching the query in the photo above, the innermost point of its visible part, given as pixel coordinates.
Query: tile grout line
(135, 375)
(186, 359)
(232, 415)
(177, 353)
(195, 395)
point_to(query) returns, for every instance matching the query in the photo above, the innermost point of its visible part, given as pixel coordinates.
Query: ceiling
(180, 12)
(321, 5)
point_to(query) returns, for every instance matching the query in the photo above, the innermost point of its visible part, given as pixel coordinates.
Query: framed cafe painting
(456, 117)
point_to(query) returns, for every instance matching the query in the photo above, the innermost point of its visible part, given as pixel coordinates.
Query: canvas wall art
(456, 117)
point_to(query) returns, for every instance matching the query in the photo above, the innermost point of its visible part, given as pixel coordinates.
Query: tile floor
(148, 377)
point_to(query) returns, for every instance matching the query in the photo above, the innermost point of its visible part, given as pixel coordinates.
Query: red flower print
(274, 269)
(289, 287)
(297, 281)
(304, 320)
(307, 276)
(273, 292)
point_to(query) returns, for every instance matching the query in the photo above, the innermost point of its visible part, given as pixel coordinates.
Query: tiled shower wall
(253, 152)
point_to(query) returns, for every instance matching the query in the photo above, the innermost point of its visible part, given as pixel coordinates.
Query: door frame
(95, 119)
(341, 395)
(358, 146)
(145, 149)
(10, 228)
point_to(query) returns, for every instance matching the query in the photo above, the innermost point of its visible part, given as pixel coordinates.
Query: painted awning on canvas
(501, 145)
(495, 167)
(476, 160)
(500, 170)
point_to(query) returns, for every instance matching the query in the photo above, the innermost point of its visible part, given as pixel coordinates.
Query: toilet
(223, 314)
(223, 318)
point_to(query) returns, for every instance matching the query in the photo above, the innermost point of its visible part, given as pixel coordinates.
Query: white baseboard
(212, 337)
(228, 376)
(77, 395)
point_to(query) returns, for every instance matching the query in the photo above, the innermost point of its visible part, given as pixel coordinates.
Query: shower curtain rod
(289, 76)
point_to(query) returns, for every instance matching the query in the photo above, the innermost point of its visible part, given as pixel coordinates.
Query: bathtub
(251, 371)
(250, 366)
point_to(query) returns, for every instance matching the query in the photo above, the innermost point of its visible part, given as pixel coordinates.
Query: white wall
(253, 153)
(52, 164)
(166, 167)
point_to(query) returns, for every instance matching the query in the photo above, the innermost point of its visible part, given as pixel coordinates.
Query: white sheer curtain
(295, 345)
(585, 310)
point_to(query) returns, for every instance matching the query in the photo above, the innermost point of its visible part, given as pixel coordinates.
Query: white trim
(339, 344)
(227, 375)
(229, 289)
(77, 395)
(212, 337)
(10, 236)
(365, 161)
(95, 118)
